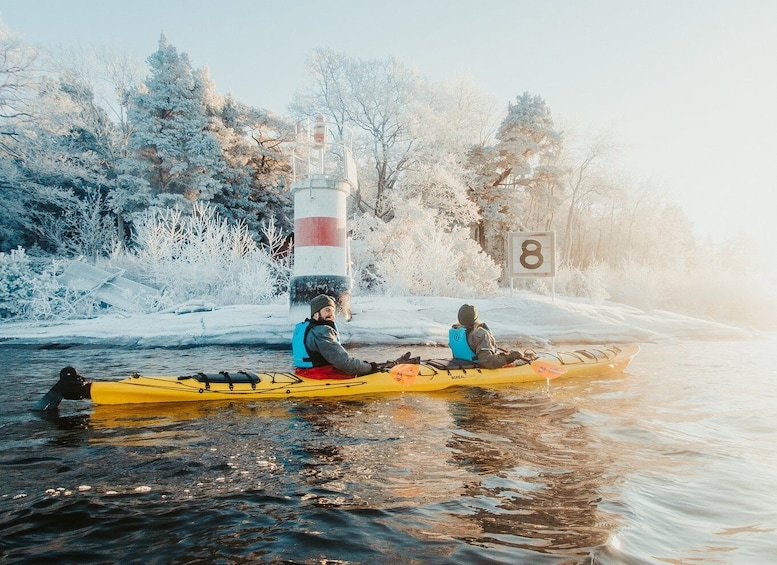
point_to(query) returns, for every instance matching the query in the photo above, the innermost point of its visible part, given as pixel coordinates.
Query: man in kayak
(316, 346)
(471, 339)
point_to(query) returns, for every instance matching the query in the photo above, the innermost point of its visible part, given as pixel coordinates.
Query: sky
(688, 87)
(520, 320)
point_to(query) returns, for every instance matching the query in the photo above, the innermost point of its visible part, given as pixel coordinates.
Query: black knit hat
(321, 301)
(468, 315)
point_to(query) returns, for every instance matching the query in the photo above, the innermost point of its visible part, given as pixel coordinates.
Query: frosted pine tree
(173, 150)
(516, 175)
(256, 164)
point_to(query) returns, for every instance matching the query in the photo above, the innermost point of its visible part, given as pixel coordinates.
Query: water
(671, 462)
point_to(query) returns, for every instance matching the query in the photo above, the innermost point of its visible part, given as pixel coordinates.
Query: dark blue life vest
(304, 359)
(457, 339)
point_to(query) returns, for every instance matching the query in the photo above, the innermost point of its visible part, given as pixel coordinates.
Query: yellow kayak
(432, 375)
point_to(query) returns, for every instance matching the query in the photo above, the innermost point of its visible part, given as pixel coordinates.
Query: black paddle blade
(71, 386)
(50, 400)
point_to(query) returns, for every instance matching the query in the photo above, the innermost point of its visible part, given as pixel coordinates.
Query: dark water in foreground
(671, 462)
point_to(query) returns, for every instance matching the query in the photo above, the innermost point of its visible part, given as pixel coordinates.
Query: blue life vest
(457, 339)
(303, 359)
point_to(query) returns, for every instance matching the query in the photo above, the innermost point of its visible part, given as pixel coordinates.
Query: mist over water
(671, 461)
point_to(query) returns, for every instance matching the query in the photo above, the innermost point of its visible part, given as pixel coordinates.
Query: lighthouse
(324, 173)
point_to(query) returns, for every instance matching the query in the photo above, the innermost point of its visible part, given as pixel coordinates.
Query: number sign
(531, 254)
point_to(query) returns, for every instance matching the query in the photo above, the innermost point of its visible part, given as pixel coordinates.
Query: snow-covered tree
(379, 99)
(68, 157)
(452, 118)
(111, 77)
(58, 149)
(587, 185)
(19, 79)
(174, 151)
(200, 255)
(517, 177)
(256, 163)
(418, 252)
(606, 217)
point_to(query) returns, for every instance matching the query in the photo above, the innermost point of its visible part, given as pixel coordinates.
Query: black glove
(384, 367)
(380, 367)
(513, 356)
(406, 359)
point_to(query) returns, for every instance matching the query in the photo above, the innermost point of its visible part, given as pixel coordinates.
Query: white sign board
(531, 254)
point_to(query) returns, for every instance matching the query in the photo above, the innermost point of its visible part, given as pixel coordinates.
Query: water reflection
(68, 422)
(499, 467)
(539, 474)
(378, 452)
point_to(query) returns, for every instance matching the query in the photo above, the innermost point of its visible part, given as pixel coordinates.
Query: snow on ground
(522, 319)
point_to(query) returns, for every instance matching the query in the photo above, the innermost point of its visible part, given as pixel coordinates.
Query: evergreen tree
(516, 173)
(173, 150)
(255, 165)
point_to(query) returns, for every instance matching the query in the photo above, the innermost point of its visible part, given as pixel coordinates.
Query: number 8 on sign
(531, 254)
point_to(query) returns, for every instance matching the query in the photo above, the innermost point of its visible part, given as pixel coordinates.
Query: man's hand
(407, 359)
(385, 367)
(381, 367)
(529, 356)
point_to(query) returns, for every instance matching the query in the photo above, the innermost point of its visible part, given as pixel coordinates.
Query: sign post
(530, 255)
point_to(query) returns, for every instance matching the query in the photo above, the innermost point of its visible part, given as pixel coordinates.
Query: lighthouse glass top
(323, 150)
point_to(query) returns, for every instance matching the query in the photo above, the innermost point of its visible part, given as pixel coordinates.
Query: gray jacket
(482, 342)
(323, 338)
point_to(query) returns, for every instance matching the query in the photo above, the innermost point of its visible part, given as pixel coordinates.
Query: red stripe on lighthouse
(318, 231)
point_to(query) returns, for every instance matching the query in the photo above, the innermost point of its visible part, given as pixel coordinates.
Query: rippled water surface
(673, 461)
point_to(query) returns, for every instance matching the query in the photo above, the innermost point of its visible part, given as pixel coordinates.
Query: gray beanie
(321, 301)
(468, 315)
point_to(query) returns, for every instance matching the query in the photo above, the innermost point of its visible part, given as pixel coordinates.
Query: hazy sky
(689, 86)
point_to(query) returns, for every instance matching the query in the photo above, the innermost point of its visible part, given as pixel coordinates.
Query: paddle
(547, 370)
(405, 373)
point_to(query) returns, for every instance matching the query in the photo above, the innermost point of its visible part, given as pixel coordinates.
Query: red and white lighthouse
(324, 174)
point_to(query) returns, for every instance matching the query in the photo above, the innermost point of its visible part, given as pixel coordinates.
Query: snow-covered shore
(524, 319)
